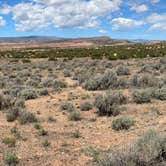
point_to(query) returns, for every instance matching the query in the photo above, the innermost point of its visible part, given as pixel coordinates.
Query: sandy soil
(65, 150)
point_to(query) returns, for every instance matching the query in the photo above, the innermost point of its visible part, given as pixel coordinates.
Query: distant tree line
(110, 52)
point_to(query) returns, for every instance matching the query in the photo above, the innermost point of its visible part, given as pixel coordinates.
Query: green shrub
(11, 159)
(5, 101)
(67, 106)
(48, 82)
(122, 124)
(27, 117)
(20, 103)
(26, 61)
(43, 132)
(28, 94)
(76, 134)
(149, 150)
(67, 73)
(46, 143)
(51, 119)
(142, 96)
(9, 141)
(86, 106)
(122, 70)
(106, 81)
(58, 85)
(13, 114)
(14, 130)
(43, 92)
(150, 147)
(145, 81)
(37, 126)
(75, 116)
(107, 104)
(160, 94)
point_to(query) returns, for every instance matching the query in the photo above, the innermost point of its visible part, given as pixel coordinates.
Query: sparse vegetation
(107, 104)
(86, 106)
(148, 150)
(142, 96)
(27, 117)
(43, 132)
(75, 116)
(69, 104)
(11, 159)
(9, 141)
(122, 123)
(46, 143)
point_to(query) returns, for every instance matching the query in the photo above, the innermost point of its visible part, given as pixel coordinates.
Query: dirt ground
(67, 150)
(96, 133)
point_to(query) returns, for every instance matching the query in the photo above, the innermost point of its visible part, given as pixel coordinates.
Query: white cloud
(140, 8)
(2, 21)
(125, 24)
(158, 21)
(158, 27)
(6, 9)
(155, 1)
(155, 17)
(52, 2)
(40, 14)
(103, 31)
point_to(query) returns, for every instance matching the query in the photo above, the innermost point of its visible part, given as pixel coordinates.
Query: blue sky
(127, 19)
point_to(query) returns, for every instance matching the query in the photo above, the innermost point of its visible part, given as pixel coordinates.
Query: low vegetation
(148, 150)
(122, 123)
(63, 105)
(107, 104)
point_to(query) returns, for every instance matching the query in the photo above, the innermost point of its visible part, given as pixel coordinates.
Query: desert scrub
(160, 93)
(122, 70)
(59, 85)
(28, 94)
(67, 106)
(26, 61)
(67, 73)
(109, 80)
(101, 82)
(51, 119)
(33, 83)
(11, 159)
(75, 116)
(9, 141)
(46, 143)
(122, 123)
(144, 81)
(76, 134)
(48, 82)
(142, 96)
(15, 132)
(37, 126)
(148, 150)
(20, 103)
(43, 92)
(27, 117)
(43, 132)
(86, 106)
(13, 114)
(108, 103)
(5, 101)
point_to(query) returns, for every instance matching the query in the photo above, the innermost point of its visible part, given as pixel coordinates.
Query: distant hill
(7, 43)
(29, 39)
(103, 40)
